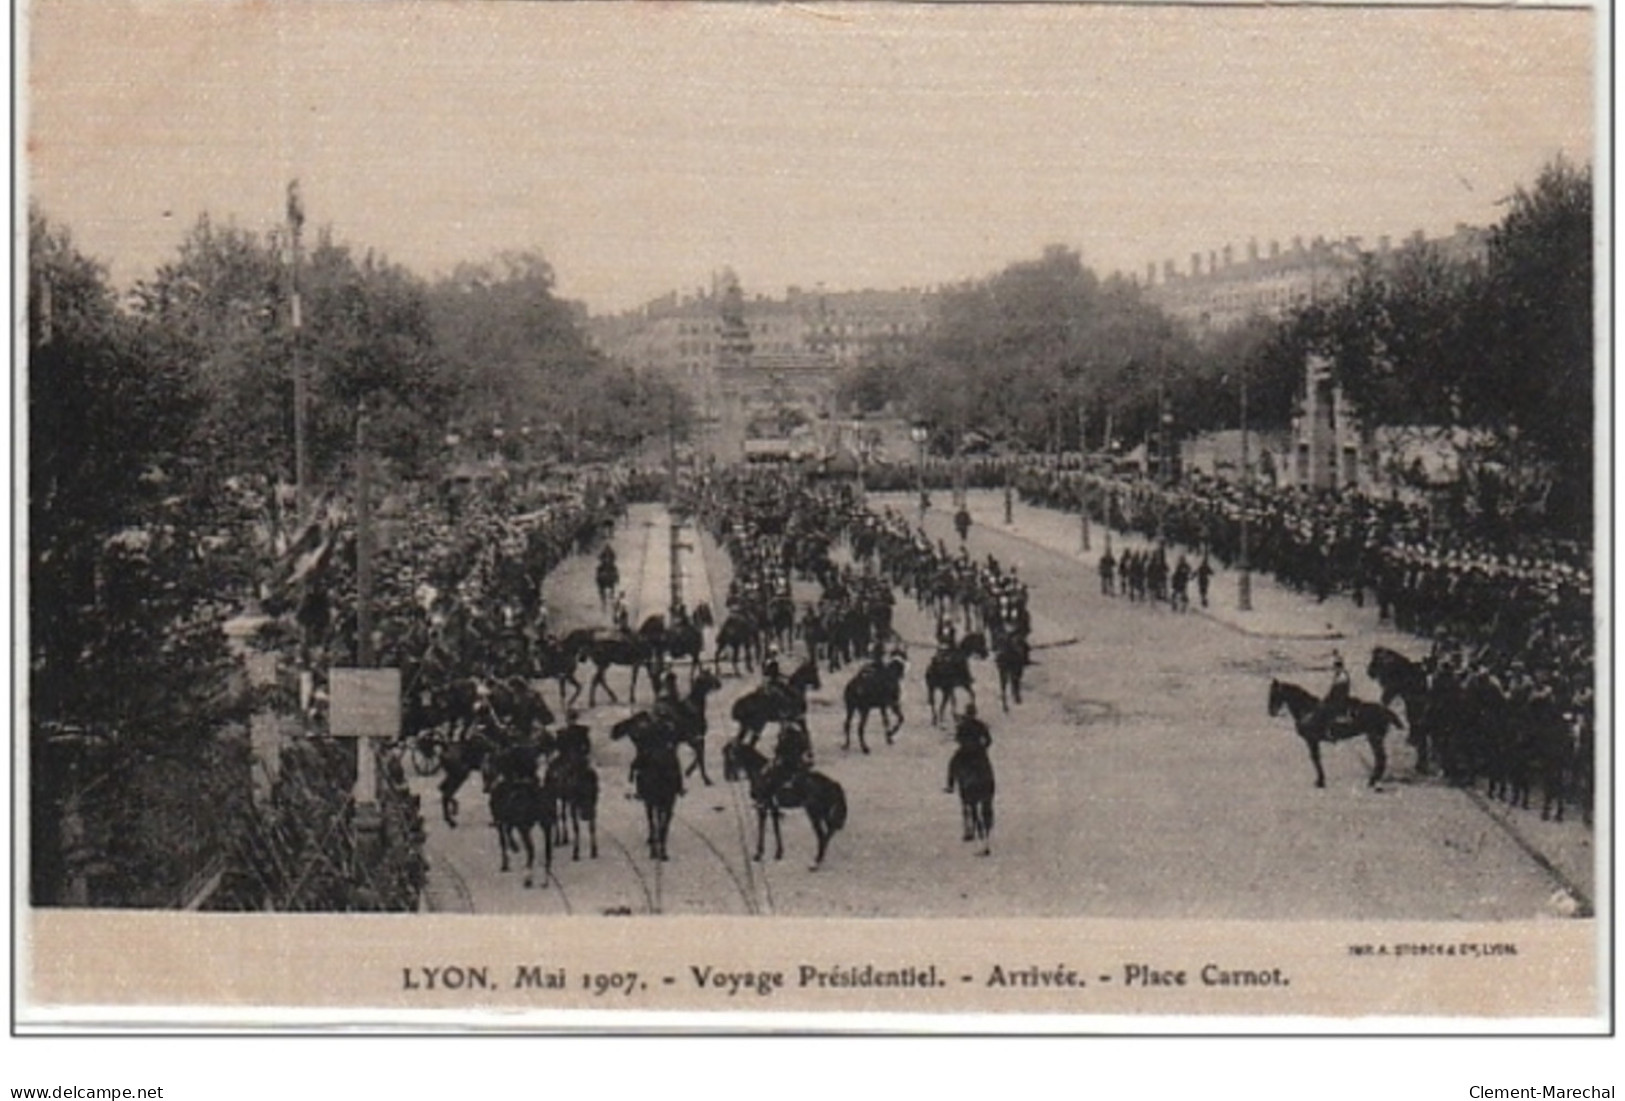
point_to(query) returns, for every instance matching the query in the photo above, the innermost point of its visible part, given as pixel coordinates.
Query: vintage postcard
(996, 517)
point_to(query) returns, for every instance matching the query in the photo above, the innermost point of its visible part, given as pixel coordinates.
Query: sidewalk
(1277, 611)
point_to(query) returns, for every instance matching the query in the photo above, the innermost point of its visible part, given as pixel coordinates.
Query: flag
(310, 563)
(308, 551)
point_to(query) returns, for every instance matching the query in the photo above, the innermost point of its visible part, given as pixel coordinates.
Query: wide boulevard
(1141, 776)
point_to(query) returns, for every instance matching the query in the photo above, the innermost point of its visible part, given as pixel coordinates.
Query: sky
(640, 146)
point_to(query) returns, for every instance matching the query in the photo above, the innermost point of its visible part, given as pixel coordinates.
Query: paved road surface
(1142, 778)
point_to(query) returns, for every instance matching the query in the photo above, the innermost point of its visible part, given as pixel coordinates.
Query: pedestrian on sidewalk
(1180, 598)
(1204, 575)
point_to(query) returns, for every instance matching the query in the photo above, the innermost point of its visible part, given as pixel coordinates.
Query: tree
(509, 344)
(1536, 353)
(126, 515)
(365, 334)
(133, 563)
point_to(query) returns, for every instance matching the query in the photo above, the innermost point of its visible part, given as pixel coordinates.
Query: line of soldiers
(987, 593)
(1531, 603)
(1144, 575)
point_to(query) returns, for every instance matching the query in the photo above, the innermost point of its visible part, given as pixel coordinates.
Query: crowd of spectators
(1512, 610)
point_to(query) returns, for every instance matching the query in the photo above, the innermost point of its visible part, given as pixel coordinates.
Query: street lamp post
(365, 656)
(1244, 569)
(957, 474)
(918, 434)
(1083, 485)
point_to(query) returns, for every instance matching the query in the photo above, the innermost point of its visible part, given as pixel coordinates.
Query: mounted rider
(1336, 705)
(792, 752)
(773, 674)
(574, 740)
(973, 738)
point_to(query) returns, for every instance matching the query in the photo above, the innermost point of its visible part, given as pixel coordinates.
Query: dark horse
(874, 688)
(971, 771)
(1404, 679)
(675, 641)
(949, 671)
(551, 661)
(691, 723)
(773, 791)
(604, 650)
(1012, 655)
(519, 804)
(755, 709)
(459, 760)
(573, 782)
(738, 634)
(1363, 719)
(656, 775)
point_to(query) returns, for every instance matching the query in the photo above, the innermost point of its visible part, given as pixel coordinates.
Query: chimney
(1196, 263)
(1275, 250)
(1252, 250)
(1212, 261)
(1151, 275)
(1168, 272)
(1383, 245)
(1228, 259)
(1297, 246)
(1418, 237)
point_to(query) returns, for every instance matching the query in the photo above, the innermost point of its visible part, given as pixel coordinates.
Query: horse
(608, 578)
(520, 803)
(949, 671)
(692, 724)
(971, 771)
(618, 649)
(459, 760)
(551, 661)
(756, 708)
(738, 633)
(574, 783)
(656, 774)
(1011, 655)
(1407, 680)
(1363, 719)
(675, 640)
(781, 620)
(874, 688)
(773, 792)
(520, 706)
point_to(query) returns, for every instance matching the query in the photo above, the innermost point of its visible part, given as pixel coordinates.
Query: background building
(1225, 288)
(747, 362)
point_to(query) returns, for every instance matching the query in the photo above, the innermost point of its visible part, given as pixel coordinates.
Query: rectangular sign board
(364, 703)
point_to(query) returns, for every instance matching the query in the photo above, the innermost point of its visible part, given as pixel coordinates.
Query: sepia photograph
(1057, 517)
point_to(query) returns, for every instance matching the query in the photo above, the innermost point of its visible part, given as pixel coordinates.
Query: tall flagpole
(301, 458)
(1244, 567)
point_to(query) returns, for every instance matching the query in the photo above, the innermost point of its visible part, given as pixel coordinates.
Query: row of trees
(1044, 352)
(161, 422)
(150, 413)
(1503, 347)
